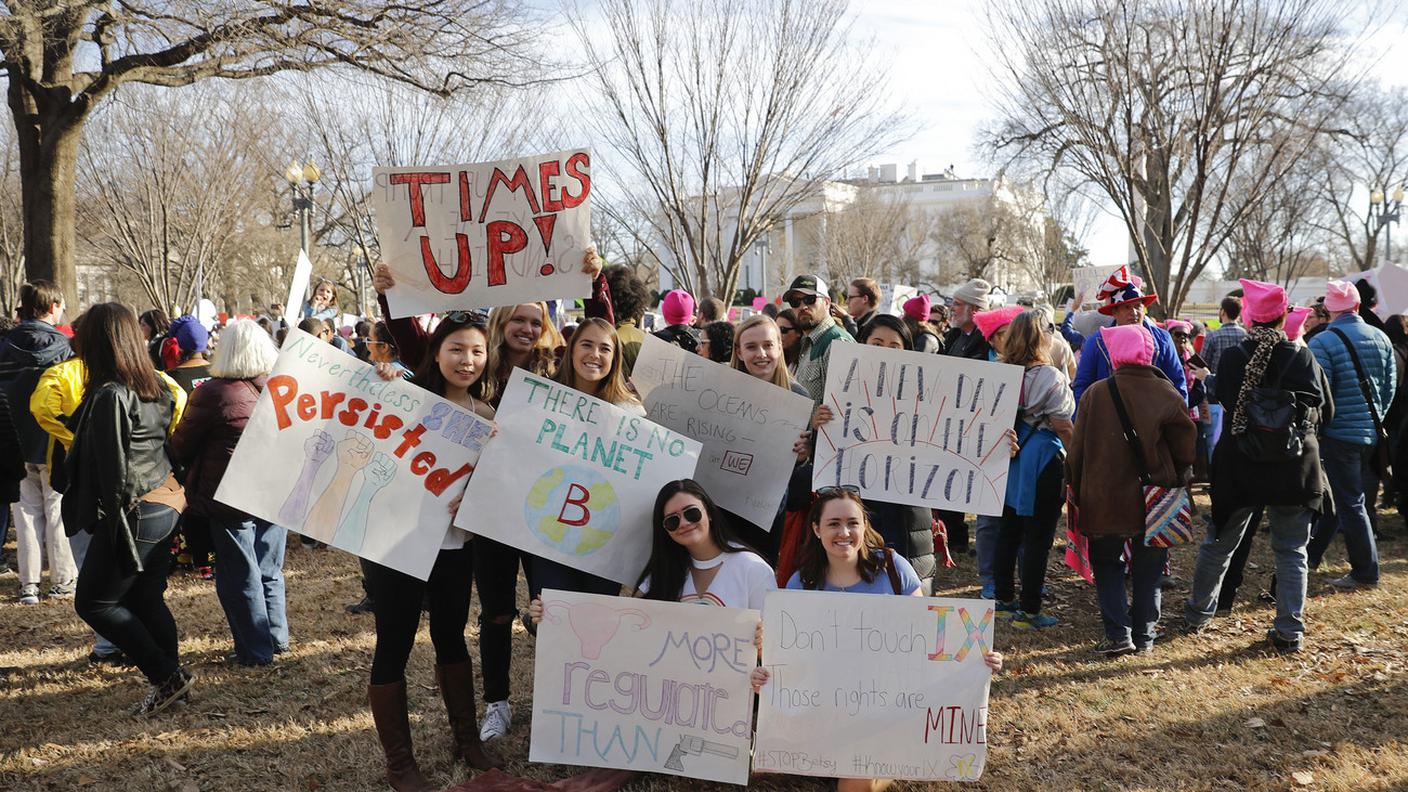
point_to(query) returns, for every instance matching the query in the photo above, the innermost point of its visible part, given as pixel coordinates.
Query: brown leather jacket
(1099, 462)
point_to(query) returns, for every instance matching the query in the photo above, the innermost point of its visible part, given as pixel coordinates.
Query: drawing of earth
(573, 509)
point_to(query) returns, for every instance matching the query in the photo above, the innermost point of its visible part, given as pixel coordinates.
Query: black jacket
(118, 455)
(1238, 482)
(682, 336)
(11, 464)
(27, 351)
(909, 531)
(965, 345)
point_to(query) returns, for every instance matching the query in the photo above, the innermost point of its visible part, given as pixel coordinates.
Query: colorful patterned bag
(1168, 511)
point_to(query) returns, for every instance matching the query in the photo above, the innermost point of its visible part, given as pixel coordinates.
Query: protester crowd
(116, 430)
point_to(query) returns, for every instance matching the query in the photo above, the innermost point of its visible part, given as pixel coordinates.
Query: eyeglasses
(806, 299)
(691, 515)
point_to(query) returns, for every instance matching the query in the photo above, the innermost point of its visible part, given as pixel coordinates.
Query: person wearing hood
(1126, 301)
(33, 346)
(678, 310)
(1105, 484)
(1290, 488)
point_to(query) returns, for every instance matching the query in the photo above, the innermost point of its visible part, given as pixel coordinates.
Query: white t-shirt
(743, 579)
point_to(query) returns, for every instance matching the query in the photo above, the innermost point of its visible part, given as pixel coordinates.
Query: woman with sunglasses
(791, 337)
(844, 553)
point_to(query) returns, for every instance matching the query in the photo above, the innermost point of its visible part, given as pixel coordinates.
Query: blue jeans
(127, 606)
(249, 580)
(1344, 466)
(1290, 530)
(1123, 619)
(79, 544)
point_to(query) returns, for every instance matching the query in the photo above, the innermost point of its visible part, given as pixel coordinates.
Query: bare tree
(1374, 156)
(170, 179)
(62, 59)
(1281, 236)
(11, 224)
(1159, 105)
(880, 234)
(349, 128)
(982, 240)
(724, 115)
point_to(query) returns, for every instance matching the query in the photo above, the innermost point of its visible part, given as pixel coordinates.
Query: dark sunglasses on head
(691, 515)
(838, 490)
(806, 299)
(464, 317)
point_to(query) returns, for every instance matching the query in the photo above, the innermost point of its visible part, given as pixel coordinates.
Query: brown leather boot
(456, 682)
(393, 727)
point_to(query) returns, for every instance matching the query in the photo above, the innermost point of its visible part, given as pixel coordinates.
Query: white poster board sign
(893, 297)
(918, 429)
(1086, 280)
(573, 479)
(486, 234)
(874, 686)
(747, 426)
(340, 455)
(298, 288)
(636, 684)
(1392, 283)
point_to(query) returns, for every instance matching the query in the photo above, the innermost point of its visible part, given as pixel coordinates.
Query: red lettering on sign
(575, 163)
(577, 495)
(452, 284)
(504, 238)
(414, 181)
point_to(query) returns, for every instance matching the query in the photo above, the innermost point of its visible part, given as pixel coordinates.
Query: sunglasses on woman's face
(784, 329)
(691, 515)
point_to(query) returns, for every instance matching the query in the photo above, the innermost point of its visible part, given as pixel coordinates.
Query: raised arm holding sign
(487, 234)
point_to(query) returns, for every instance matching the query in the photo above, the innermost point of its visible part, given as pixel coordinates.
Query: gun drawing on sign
(696, 746)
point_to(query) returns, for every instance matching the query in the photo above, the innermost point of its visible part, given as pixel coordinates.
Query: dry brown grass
(1060, 719)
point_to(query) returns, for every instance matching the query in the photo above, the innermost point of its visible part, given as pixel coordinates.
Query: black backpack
(1277, 423)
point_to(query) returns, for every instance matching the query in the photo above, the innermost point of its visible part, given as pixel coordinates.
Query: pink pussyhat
(990, 322)
(1181, 326)
(1341, 296)
(1295, 321)
(1128, 345)
(1263, 302)
(917, 308)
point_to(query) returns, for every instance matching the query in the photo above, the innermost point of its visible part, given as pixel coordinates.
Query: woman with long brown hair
(122, 492)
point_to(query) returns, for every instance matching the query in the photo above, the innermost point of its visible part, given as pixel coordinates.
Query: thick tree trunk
(47, 177)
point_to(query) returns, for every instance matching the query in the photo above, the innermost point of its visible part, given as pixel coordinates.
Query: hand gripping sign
(482, 235)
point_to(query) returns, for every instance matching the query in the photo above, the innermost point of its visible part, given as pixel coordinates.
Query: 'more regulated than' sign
(916, 428)
(572, 478)
(487, 234)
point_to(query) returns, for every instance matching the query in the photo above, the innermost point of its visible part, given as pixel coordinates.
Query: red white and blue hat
(1121, 288)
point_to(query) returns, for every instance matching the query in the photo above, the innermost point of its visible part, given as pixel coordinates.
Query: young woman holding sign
(453, 367)
(844, 553)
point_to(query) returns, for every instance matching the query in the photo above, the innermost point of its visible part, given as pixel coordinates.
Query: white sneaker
(498, 717)
(29, 594)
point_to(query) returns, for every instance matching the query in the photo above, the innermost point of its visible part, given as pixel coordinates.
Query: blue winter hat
(189, 334)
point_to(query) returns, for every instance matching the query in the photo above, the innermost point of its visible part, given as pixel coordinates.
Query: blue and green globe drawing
(573, 509)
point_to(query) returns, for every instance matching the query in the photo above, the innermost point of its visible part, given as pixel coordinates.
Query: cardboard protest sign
(298, 288)
(573, 479)
(492, 233)
(340, 455)
(919, 429)
(747, 426)
(874, 686)
(1086, 280)
(636, 684)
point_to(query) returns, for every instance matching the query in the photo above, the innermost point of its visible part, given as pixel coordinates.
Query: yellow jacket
(59, 391)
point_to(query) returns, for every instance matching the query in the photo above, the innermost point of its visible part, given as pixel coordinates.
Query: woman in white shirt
(694, 558)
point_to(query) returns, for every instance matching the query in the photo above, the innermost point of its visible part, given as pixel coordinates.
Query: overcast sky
(939, 73)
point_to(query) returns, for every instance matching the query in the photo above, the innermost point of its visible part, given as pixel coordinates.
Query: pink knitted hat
(1179, 325)
(1263, 302)
(1295, 321)
(1341, 296)
(990, 322)
(917, 308)
(677, 307)
(1128, 344)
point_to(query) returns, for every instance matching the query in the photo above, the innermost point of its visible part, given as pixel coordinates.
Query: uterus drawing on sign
(594, 625)
(316, 450)
(353, 453)
(352, 530)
